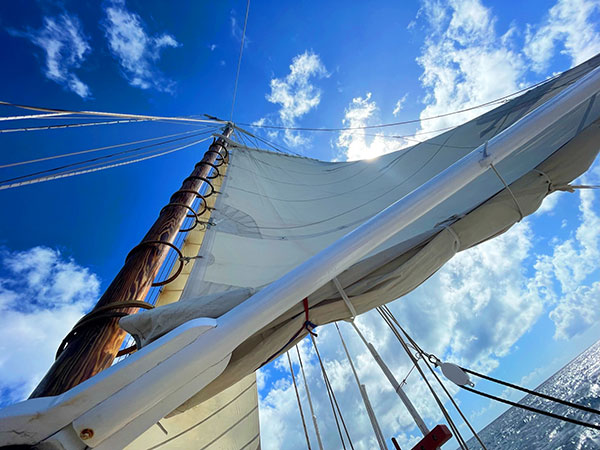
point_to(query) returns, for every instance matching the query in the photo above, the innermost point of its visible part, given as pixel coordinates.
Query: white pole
(365, 397)
(409, 406)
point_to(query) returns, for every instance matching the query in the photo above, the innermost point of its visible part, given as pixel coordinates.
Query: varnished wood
(95, 348)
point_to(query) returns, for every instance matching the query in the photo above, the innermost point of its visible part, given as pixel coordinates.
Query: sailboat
(276, 245)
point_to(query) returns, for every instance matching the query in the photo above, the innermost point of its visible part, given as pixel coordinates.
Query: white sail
(227, 421)
(275, 211)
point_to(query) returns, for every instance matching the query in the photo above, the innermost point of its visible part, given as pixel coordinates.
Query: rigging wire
(69, 125)
(269, 143)
(298, 398)
(504, 98)
(449, 419)
(308, 397)
(532, 409)
(239, 64)
(508, 402)
(96, 169)
(97, 149)
(34, 116)
(104, 114)
(54, 169)
(332, 398)
(392, 318)
(533, 393)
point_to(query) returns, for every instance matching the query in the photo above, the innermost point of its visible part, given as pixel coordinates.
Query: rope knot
(309, 326)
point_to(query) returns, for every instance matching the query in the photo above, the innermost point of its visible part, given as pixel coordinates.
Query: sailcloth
(274, 211)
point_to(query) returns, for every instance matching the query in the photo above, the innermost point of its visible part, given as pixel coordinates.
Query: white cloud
(296, 94)
(66, 48)
(360, 144)
(571, 25)
(465, 62)
(237, 30)
(42, 295)
(574, 265)
(137, 51)
(400, 105)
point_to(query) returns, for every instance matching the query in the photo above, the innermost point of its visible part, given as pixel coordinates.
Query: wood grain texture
(94, 348)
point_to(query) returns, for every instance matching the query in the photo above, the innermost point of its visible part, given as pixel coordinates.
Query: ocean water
(577, 382)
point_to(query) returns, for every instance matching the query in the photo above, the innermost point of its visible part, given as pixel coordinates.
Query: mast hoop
(225, 156)
(218, 159)
(204, 180)
(215, 174)
(194, 214)
(174, 247)
(198, 195)
(103, 312)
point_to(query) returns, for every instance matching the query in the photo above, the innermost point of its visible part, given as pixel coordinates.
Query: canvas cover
(277, 210)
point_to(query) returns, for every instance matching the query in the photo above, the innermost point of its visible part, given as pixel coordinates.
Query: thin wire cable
(332, 394)
(427, 364)
(405, 122)
(269, 143)
(533, 393)
(70, 125)
(34, 116)
(337, 423)
(532, 409)
(239, 64)
(97, 149)
(82, 172)
(54, 169)
(104, 114)
(308, 397)
(298, 398)
(504, 383)
(449, 419)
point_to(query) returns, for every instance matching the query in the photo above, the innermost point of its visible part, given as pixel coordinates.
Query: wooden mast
(94, 347)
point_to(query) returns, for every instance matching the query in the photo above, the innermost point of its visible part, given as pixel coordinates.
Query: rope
(347, 301)
(451, 423)
(403, 382)
(534, 393)
(332, 398)
(98, 158)
(528, 391)
(308, 397)
(509, 191)
(69, 125)
(405, 122)
(571, 187)
(97, 149)
(110, 166)
(267, 142)
(100, 113)
(307, 325)
(239, 64)
(534, 410)
(414, 344)
(298, 398)
(35, 116)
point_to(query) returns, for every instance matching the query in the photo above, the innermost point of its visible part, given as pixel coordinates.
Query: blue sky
(312, 64)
